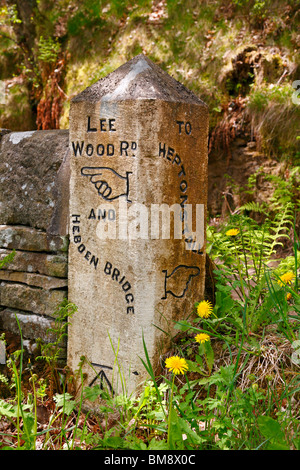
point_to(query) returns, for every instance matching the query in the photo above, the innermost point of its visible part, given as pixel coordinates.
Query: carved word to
(187, 126)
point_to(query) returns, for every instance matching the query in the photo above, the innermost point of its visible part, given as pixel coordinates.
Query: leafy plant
(243, 251)
(51, 351)
(48, 49)
(271, 430)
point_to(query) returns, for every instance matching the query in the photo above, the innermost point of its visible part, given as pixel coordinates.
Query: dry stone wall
(34, 196)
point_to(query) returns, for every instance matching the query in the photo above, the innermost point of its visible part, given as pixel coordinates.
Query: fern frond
(253, 207)
(277, 229)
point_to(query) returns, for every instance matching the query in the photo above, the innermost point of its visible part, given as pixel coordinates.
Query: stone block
(30, 239)
(32, 326)
(30, 299)
(40, 263)
(34, 280)
(34, 180)
(2, 352)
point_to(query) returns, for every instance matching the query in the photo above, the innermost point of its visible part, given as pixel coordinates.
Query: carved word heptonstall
(172, 156)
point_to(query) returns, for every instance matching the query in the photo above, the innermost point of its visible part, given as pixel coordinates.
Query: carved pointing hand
(110, 185)
(177, 283)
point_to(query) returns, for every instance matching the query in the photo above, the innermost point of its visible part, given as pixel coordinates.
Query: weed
(51, 351)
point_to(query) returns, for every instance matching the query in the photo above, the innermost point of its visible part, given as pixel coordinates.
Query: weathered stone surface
(34, 196)
(2, 352)
(32, 326)
(30, 299)
(4, 132)
(152, 84)
(34, 180)
(34, 280)
(30, 239)
(40, 263)
(138, 139)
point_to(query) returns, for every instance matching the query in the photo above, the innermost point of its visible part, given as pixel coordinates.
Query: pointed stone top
(138, 79)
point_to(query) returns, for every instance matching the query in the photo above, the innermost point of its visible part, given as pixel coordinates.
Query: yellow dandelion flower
(286, 278)
(288, 296)
(202, 337)
(204, 309)
(233, 232)
(176, 364)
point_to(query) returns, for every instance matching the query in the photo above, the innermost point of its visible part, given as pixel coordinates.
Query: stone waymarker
(138, 143)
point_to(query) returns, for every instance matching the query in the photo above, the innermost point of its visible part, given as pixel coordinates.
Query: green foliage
(243, 264)
(9, 15)
(48, 49)
(88, 15)
(257, 9)
(65, 402)
(260, 97)
(250, 296)
(7, 259)
(255, 243)
(271, 430)
(51, 351)
(209, 412)
(274, 116)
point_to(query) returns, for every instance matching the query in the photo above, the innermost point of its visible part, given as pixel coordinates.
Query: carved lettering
(105, 125)
(186, 126)
(82, 249)
(122, 281)
(77, 148)
(170, 154)
(126, 149)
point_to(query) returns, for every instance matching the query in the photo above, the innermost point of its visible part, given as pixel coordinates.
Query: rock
(34, 180)
(31, 299)
(2, 352)
(29, 239)
(34, 197)
(32, 326)
(40, 263)
(34, 280)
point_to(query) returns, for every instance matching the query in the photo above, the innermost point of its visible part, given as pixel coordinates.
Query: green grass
(240, 389)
